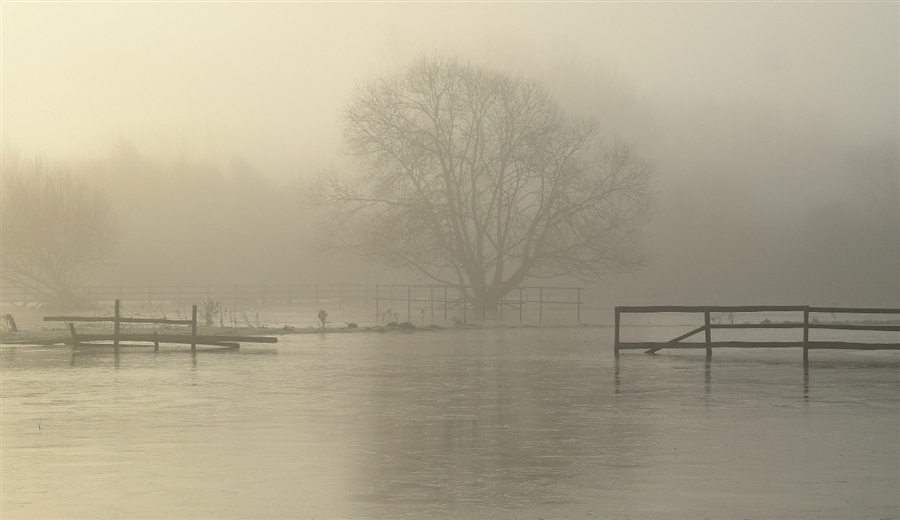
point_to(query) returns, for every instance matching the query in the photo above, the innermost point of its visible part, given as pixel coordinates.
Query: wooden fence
(192, 339)
(445, 301)
(801, 320)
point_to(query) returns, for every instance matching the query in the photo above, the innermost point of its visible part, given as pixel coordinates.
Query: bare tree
(474, 178)
(54, 227)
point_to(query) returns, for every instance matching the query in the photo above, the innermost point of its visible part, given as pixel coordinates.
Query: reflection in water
(516, 423)
(805, 377)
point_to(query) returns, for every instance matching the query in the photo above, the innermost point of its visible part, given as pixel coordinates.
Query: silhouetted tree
(54, 227)
(478, 179)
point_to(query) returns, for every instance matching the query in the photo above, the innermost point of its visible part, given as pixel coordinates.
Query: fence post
(805, 335)
(193, 328)
(618, 313)
(409, 303)
(74, 335)
(116, 325)
(708, 333)
(377, 301)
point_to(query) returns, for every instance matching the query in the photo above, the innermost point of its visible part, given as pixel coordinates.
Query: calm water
(494, 423)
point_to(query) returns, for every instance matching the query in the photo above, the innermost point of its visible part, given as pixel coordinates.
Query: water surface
(487, 423)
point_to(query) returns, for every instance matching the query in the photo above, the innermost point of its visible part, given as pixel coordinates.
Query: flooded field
(468, 423)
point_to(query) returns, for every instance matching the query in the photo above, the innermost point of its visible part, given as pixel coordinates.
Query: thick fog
(774, 129)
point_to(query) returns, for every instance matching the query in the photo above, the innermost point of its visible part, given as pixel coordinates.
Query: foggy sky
(267, 81)
(754, 114)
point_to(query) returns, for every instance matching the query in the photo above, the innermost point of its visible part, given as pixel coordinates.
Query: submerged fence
(785, 317)
(444, 302)
(192, 339)
(412, 303)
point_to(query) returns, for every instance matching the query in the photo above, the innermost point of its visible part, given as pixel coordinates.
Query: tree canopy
(475, 178)
(55, 227)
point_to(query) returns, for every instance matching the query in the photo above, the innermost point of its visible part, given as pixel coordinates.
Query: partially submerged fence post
(805, 335)
(618, 317)
(194, 327)
(708, 333)
(116, 325)
(74, 336)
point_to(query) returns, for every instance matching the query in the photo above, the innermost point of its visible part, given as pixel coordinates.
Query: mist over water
(492, 423)
(192, 138)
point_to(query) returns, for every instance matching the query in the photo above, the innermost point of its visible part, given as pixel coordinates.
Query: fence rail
(193, 339)
(442, 303)
(442, 300)
(806, 325)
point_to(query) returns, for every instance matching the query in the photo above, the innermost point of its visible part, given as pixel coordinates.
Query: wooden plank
(761, 344)
(698, 309)
(834, 326)
(846, 345)
(755, 308)
(852, 326)
(676, 340)
(221, 344)
(176, 338)
(158, 321)
(756, 325)
(854, 310)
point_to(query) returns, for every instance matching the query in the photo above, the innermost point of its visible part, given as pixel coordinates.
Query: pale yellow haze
(267, 81)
